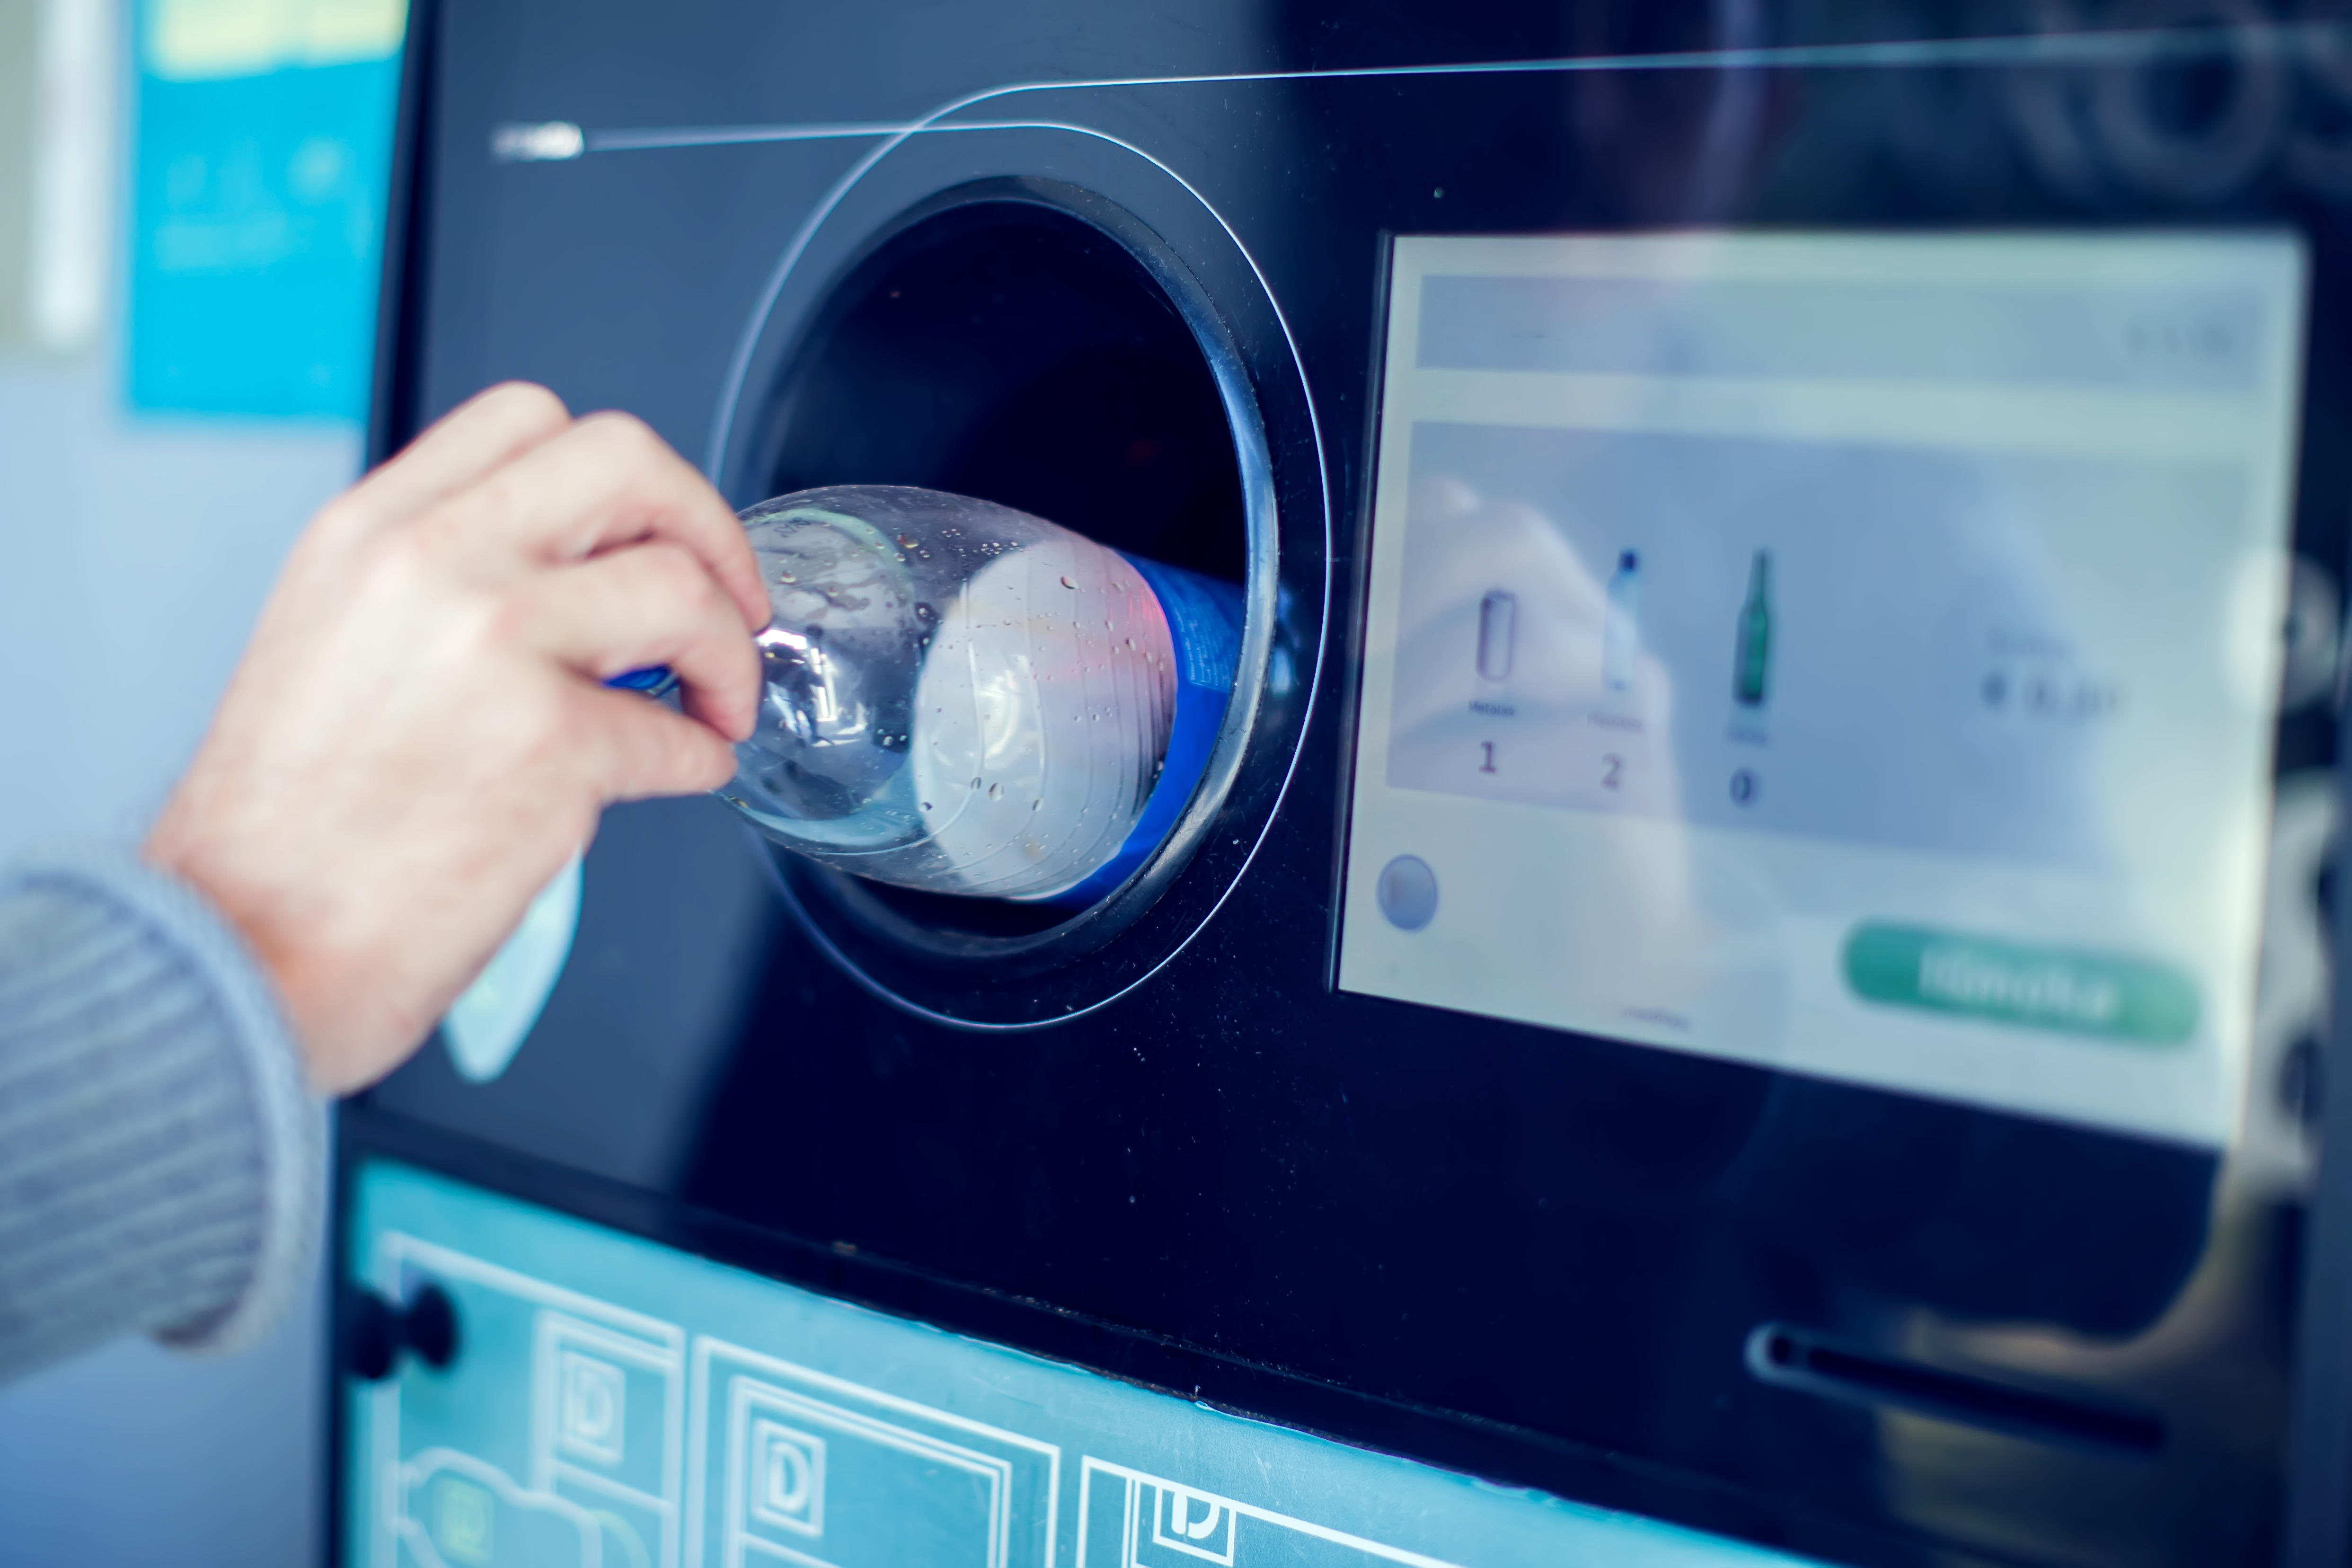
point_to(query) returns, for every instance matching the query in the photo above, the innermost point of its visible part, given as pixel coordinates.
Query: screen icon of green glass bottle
(1752, 644)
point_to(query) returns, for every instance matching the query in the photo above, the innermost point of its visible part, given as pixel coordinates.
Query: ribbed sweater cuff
(162, 1159)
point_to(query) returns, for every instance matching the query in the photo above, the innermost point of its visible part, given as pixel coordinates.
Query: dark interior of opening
(1013, 352)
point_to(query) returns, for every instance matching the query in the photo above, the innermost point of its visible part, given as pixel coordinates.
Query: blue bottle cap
(654, 680)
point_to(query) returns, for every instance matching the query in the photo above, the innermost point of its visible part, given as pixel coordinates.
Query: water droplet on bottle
(976, 783)
(996, 792)
(925, 613)
(786, 577)
(907, 541)
(1066, 583)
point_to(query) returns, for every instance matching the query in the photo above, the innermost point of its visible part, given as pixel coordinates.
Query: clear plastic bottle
(1621, 630)
(965, 699)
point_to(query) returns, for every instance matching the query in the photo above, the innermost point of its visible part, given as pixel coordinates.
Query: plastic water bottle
(964, 699)
(959, 697)
(1620, 629)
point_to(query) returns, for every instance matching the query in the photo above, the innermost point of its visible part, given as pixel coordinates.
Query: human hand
(418, 735)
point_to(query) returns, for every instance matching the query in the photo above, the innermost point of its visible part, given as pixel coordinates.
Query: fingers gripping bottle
(965, 699)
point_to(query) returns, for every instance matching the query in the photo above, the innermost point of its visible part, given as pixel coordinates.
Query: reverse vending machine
(1748, 976)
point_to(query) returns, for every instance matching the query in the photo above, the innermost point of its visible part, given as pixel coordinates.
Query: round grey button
(1408, 893)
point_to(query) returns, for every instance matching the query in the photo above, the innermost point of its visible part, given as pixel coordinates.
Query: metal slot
(1791, 1358)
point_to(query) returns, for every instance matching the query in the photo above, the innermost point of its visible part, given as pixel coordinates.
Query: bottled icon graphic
(965, 699)
(1621, 628)
(1752, 648)
(1499, 620)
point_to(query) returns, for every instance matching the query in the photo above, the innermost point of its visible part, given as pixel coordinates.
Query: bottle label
(1204, 622)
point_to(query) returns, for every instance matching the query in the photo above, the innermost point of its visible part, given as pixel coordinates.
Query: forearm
(160, 1156)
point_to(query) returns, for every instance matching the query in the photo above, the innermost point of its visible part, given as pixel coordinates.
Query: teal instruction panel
(616, 1404)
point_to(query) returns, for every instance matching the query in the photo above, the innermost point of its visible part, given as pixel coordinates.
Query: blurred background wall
(191, 205)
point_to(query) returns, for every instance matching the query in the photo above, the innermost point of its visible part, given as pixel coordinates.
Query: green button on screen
(2029, 987)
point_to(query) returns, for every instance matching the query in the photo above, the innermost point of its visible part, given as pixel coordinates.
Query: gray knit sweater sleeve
(161, 1161)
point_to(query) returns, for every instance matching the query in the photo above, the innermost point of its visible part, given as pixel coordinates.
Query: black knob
(431, 1327)
(376, 1330)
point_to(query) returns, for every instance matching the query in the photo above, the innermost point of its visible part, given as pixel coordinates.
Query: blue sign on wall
(263, 146)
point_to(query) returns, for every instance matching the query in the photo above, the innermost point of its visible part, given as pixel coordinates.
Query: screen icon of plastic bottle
(965, 699)
(1498, 622)
(1621, 628)
(1752, 656)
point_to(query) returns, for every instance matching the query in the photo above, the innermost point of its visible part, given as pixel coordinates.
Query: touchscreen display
(1854, 654)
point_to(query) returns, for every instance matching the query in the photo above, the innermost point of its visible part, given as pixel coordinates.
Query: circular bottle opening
(1009, 349)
